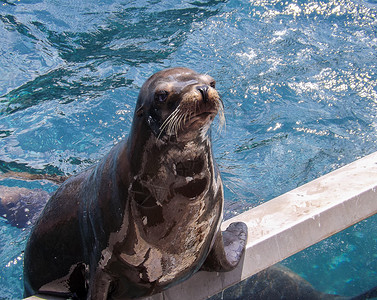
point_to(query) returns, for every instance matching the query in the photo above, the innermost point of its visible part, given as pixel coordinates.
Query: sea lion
(280, 282)
(21, 206)
(148, 215)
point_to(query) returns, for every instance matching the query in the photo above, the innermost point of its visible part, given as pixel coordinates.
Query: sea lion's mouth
(205, 114)
(193, 114)
(186, 118)
(202, 117)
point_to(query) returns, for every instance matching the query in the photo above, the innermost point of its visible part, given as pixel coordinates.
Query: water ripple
(298, 80)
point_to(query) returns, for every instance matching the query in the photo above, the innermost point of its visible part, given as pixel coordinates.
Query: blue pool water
(298, 80)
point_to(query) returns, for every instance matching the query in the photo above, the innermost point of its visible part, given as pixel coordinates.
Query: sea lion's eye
(212, 84)
(161, 96)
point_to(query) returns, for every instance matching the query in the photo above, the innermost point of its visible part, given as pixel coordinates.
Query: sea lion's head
(178, 104)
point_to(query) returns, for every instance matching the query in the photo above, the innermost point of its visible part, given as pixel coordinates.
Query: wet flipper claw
(227, 249)
(234, 239)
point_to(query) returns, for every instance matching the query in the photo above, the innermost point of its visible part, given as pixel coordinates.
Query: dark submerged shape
(148, 214)
(21, 206)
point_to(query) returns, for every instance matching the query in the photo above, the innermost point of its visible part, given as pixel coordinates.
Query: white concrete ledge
(290, 223)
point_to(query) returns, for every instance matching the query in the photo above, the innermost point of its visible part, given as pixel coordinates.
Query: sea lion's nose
(203, 89)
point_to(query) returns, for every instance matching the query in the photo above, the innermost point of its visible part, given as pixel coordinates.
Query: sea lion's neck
(175, 191)
(143, 145)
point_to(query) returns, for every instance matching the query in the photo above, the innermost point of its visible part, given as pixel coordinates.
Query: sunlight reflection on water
(298, 80)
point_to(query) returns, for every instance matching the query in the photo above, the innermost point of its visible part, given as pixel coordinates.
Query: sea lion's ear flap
(140, 111)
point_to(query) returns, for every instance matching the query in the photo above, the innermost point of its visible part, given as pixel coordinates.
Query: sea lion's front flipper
(227, 249)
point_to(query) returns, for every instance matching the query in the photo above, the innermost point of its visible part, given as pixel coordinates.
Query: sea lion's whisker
(173, 123)
(186, 115)
(168, 121)
(171, 116)
(182, 121)
(222, 121)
